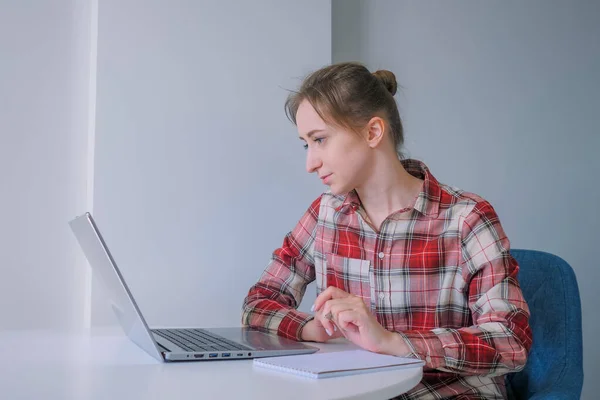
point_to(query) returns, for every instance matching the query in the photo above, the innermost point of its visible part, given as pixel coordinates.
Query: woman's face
(339, 157)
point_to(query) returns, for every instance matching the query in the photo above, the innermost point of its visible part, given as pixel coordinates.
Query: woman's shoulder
(456, 195)
(455, 199)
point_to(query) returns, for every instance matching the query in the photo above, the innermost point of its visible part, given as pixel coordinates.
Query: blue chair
(554, 368)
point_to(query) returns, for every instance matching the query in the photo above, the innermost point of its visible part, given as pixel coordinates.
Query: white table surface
(104, 364)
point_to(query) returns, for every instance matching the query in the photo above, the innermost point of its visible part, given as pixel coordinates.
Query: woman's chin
(337, 190)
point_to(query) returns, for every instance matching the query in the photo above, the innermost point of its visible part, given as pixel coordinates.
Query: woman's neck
(389, 188)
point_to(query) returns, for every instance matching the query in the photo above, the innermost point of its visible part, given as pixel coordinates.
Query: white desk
(106, 365)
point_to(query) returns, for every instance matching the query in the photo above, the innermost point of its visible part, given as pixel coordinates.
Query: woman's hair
(348, 95)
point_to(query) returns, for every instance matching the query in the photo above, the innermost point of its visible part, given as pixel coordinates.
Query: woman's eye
(317, 140)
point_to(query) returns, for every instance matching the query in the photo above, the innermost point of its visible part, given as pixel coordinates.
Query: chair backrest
(555, 360)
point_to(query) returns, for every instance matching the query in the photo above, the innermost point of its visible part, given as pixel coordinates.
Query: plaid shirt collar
(427, 202)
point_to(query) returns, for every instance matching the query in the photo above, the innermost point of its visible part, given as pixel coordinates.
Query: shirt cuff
(292, 323)
(425, 345)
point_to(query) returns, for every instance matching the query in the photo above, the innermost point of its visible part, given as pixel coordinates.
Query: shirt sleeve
(500, 338)
(271, 304)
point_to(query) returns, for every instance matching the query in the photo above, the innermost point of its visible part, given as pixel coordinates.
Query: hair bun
(388, 79)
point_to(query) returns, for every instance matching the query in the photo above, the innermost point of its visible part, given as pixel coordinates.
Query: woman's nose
(312, 161)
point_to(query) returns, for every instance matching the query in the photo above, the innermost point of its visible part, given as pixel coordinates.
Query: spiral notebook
(328, 365)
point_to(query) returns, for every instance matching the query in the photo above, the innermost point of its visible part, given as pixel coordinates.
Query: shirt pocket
(352, 275)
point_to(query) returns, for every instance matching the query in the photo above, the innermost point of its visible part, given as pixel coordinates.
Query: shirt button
(428, 359)
(381, 296)
(381, 255)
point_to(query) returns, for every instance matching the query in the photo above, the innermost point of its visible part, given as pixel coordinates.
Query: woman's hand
(314, 331)
(353, 319)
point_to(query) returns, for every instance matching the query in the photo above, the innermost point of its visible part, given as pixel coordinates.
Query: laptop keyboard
(198, 340)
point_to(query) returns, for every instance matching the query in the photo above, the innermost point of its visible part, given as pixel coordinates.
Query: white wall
(44, 86)
(501, 98)
(198, 173)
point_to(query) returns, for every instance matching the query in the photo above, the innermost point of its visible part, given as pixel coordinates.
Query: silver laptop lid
(106, 269)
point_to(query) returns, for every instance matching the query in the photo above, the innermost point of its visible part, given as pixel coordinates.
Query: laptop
(193, 344)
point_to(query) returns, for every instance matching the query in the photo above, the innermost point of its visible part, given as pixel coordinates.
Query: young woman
(404, 265)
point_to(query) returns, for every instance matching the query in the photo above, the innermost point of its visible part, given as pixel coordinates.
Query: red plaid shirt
(439, 273)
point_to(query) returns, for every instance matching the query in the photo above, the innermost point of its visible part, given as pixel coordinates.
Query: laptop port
(249, 354)
(213, 355)
(240, 354)
(198, 355)
(225, 354)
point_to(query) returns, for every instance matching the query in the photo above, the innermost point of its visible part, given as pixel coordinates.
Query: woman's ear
(375, 131)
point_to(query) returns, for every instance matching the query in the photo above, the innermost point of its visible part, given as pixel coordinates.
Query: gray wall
(501, 98)
(44, 111)
(198, 173)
